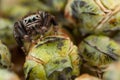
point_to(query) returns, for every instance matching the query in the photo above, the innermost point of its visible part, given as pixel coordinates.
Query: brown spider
(34, 24)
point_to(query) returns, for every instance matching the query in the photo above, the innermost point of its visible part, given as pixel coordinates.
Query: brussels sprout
(8, 75)
(112, 72)
(86, 77)
(94, 16)
(5, 56)
(98, 52)
(53, 58)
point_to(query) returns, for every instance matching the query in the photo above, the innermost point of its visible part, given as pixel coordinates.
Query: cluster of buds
(51, 54)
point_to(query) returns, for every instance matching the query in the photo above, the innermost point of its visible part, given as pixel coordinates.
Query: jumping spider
(34, 24)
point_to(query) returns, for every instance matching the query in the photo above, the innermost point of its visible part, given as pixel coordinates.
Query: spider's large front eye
(25, 21)
(30, 20)
(34, 19)
(37, 16)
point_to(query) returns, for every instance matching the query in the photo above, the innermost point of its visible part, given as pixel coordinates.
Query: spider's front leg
(20, 35)
(50, 20)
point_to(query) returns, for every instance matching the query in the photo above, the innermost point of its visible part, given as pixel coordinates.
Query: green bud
(99, 51)
(51, 59)
(94, 16)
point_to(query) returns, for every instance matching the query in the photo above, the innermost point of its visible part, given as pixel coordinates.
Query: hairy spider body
(32, 26)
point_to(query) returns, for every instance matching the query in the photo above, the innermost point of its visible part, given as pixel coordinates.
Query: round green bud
(94, 16)
(51, 59)
(98, 52)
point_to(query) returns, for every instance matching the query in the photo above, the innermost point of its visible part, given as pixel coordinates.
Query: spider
(33, 24)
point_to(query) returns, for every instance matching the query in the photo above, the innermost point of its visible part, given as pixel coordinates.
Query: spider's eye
(37, 16)
(25, 20)
(29, 21)
(34, 19)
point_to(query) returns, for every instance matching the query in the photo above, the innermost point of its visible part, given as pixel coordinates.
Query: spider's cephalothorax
(35, 24)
